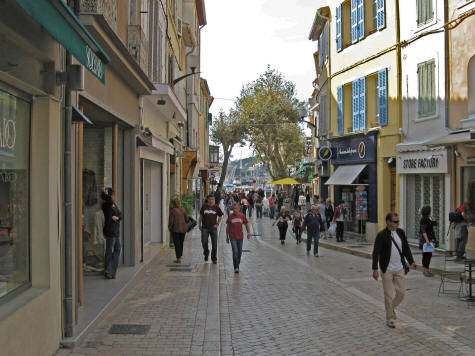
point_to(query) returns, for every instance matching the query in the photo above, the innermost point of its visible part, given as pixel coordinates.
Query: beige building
(204, 125)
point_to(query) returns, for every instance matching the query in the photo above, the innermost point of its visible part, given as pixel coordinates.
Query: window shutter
(381, 19)
(340, 109)
(433, 102)
(383, 96)
(338, 29)
(354, 21)
(362, 103)
(420, 88)
(320, 49)
(360, 13)
(355, 107)
(326, 40)
(419, 11)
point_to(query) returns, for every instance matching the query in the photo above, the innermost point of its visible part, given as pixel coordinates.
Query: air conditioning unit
(179, 26)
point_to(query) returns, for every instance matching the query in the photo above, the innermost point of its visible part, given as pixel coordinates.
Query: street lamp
(303, 114)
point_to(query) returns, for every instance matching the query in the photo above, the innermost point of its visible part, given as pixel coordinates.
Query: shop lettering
(347, 151)
(94, 64)
(7, 134)
(415, 163)
(7, 177)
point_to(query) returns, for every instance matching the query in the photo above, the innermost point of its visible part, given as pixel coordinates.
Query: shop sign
(7, 135)
(354, 149)
(422, 162)
(325, 153)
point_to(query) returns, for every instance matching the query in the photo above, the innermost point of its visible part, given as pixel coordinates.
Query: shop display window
(468, 192)
(14, 194)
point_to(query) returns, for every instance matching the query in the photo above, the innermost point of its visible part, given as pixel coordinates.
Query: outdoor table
(470, 297)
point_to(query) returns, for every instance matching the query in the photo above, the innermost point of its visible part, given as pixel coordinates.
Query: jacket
(312, 223)
(382, 249)
(177, 220)
(110, 209)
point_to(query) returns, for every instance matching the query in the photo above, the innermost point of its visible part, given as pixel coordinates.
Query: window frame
(422, 116)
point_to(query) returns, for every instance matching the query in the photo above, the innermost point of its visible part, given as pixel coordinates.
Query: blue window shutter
(381, 19)
(360, 12)
(339, 46)
(383, 96)
(320, 49)
(362, 103)
(326, 40)
(340, 109)
(356, 107)
(354, 21)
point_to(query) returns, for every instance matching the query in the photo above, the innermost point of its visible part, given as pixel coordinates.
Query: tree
(270, 109)
(227, 130)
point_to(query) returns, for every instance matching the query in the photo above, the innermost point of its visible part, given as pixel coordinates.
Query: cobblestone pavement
(283, 302)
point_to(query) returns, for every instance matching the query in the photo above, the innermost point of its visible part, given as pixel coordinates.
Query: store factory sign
(422, 162)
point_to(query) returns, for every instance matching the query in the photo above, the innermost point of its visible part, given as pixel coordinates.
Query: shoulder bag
(403, 261)
(190, 224)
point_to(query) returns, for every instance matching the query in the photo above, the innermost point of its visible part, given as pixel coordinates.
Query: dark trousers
(250, 210)
(298, 233)
(178, 239)
(426, 256)
(113, 248)
(340, 226)
(214, 242)
(244, 209)
(259, 212)
(271, 212)
(236, 245)
(460, 247)
(283, 232)
(315, 237)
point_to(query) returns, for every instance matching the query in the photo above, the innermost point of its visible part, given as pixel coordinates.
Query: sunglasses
(395, 221)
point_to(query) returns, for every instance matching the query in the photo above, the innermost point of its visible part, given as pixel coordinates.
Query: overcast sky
(243, 37)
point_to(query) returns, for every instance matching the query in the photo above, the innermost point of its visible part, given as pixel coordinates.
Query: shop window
(14, 193)
(468, 192)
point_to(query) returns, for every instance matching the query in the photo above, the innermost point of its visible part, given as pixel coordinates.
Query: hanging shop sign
(422, 162)
(354, 149)
(325, 153)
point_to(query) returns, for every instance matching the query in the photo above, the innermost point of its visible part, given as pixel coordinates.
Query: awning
(78, 116)
(189, 163)
(64, 26)
(284, 181)
(453, 138)
(345, 175)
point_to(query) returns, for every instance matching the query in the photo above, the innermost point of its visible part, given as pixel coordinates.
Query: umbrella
(284, 181)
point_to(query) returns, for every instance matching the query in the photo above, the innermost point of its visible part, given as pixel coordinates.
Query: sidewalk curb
(72, 342)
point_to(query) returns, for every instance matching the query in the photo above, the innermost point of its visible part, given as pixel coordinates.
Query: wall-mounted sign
(354, 149)
(422, 162)
(325, 153)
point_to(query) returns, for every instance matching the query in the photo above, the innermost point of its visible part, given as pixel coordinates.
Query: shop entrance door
(152, 204)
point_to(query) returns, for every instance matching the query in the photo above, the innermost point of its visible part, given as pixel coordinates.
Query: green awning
(64, 26)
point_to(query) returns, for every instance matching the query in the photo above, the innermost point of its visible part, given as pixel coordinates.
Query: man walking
(210, 217)
(259, 205)
(235, 235)
(390, 249)
(312, 223)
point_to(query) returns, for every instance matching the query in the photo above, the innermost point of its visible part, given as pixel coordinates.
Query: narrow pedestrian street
(283, 302)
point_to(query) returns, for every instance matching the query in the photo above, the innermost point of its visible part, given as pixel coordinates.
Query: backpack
(455, 217)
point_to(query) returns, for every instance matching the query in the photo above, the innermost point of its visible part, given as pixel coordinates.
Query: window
(14, 193)
(132, 12)
(425, 12)
(426, 85)
(323, 116)
(359, 104)
(383, 97)
(340, 116)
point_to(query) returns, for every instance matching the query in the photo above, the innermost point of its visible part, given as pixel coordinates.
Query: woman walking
(282, 220)
(297, 224)
(112, 218)
(427, 236)
(329, 212)
(177, 226)
(322, 209)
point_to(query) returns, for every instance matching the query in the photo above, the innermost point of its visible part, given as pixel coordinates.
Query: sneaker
(316, 255)
(236, 270)
(390, 324)
(206, 258)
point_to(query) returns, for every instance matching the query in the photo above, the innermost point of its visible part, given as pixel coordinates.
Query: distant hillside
(246, 163)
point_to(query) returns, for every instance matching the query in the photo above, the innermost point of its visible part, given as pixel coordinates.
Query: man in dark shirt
(312, 223)
(210, 217)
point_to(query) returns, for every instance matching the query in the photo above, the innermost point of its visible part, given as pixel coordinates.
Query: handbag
(280, 224)
(190, 224)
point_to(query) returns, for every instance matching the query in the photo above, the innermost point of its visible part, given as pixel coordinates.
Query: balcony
(108, 8)
(138, 46)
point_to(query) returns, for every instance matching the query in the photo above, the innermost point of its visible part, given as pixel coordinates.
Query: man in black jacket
(389, 250)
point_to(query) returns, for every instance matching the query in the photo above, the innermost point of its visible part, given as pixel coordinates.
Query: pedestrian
(390, 249)
(297, 224)
(339, 218)
(178, 227)
(259, 205)
(307, 201)
(312, 223)
(272, 206)
(301, 200)
(427, 237)
(235, 235)
(322, 211)
(265, 204)
(210, 217)
(282, 221)
(329, 213)
(230, 204)
(111, 230)
(250, 200)
(244, 205)
(461, 233)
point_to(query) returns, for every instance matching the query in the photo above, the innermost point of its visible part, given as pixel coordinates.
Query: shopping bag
(332, 228)
(427, 248)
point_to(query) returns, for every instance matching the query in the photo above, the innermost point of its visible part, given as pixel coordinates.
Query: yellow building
(204, 124)
(365, 110)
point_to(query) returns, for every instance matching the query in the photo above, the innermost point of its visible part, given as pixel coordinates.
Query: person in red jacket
(235, 235)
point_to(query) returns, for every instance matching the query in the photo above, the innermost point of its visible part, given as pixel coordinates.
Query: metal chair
(451, 276)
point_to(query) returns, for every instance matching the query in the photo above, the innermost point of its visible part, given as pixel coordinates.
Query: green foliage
(269, 108)
(187, 202)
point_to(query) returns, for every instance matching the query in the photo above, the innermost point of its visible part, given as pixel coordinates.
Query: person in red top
(234, 234)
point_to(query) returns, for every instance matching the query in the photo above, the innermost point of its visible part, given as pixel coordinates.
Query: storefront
(424, 180)
(354, 179)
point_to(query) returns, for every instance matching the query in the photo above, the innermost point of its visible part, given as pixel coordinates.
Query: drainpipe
(447, 64)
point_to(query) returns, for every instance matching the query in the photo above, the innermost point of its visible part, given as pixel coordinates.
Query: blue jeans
(236, 245)
(315, 236)
(214, 242)
(271, 212)
(113, 248)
